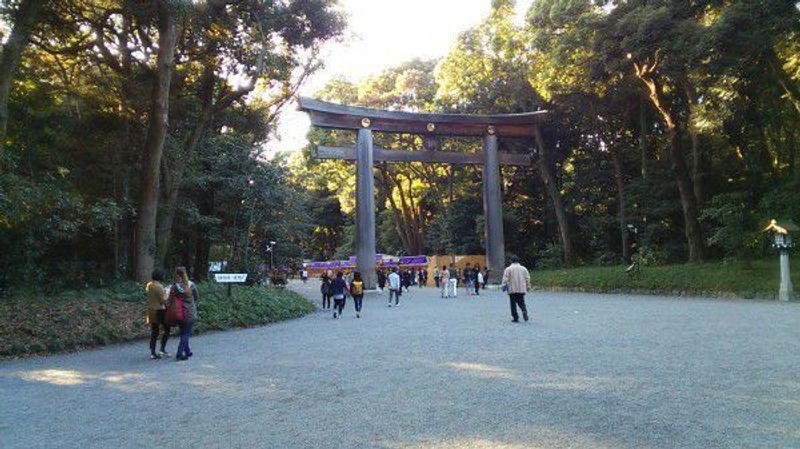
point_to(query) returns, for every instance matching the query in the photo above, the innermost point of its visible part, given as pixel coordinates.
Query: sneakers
(181, 358)
(154, 356)
(390, 304)
(163, 354)
(334, 315)
(358, 315)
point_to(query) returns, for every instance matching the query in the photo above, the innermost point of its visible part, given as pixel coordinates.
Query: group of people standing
(337, 289)
(471, 278)
(408, 277)
(168, 306)
(516, 282)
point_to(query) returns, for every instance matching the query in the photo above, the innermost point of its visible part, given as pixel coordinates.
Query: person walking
(157, 300)
(516, 282)
(357, 292)
(445, 281)
(468, 279)
(421, 278)
(187, 292)
(338, 291)
(381, 279)
(453, 282)
(325, 289)
(477, 279)
(394, 287)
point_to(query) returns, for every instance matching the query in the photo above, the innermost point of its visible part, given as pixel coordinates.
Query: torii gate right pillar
(493, 209)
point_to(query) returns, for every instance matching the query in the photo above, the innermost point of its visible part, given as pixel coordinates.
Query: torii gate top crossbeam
(337, 116)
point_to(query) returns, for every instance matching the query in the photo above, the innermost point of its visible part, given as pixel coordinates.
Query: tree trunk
(549, 180)
(619, 179)
(166, 218)
(25, 19)
(644, 133)
(694, 236)
(698, 171)
(698, 161)
(786, 82)
(145, 232)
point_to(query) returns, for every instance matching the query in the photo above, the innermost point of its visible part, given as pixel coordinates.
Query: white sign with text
(230, 278)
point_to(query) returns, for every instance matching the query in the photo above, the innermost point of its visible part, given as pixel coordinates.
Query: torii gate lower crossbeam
(365, 120)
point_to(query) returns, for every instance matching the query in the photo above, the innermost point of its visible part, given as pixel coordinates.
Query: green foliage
(76, 319)
(735, 225)
(759, 279)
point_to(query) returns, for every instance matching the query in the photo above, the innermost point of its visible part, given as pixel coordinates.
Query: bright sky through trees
(384, 33)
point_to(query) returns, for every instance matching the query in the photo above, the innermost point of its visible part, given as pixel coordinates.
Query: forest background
(132, 136)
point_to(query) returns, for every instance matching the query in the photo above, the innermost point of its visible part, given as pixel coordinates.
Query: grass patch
(41, 324)
(759, 279)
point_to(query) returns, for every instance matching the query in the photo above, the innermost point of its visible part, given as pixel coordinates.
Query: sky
(382, 34)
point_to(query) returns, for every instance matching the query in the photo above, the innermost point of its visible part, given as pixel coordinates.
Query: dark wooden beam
(433, 157)
(337, 116)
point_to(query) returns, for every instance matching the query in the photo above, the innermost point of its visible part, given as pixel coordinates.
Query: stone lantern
(782, 240)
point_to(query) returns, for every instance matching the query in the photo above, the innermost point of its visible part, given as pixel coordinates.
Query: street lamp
(783, 242)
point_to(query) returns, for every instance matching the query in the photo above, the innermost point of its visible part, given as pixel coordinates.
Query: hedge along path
(41, 324)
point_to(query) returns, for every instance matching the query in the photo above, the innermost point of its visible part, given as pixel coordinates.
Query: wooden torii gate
(430, 126)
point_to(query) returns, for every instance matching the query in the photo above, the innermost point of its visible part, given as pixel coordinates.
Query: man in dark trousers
(516, 282)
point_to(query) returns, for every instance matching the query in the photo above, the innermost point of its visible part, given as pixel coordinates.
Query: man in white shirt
(394, 287)
(516, 282)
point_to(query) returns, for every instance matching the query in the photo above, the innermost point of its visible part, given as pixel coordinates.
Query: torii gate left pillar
(365, 208)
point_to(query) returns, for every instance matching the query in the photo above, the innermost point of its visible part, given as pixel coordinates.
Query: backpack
(357, 287)
(326, 288)
(174, 313)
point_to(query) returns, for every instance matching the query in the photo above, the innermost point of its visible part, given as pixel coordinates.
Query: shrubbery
(37, 323)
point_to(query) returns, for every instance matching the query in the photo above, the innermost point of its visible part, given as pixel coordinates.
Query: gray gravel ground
(594, 371)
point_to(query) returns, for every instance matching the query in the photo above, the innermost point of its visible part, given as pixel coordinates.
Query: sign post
(230, 278)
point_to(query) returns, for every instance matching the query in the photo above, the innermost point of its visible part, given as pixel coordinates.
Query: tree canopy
(132, 135)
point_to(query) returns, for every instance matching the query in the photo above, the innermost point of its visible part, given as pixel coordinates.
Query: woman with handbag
(156, 308)
(183, 304)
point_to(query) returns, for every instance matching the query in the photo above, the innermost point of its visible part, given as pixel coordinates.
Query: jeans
(326, 301)
(183, 346)
(338, 305)
(358, 300)
(154, 327)
(477, 287)
(518, 299)
(396, 294)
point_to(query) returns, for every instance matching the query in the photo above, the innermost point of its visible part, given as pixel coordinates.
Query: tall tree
(145, 231)
(23, 19)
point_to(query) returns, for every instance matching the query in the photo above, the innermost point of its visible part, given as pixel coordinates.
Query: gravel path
(594, 371)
